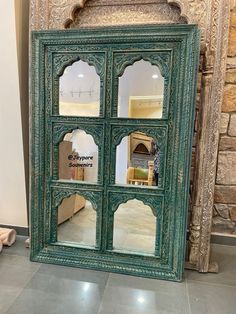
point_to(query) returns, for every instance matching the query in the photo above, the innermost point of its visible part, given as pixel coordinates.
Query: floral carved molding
(55, 14)
(212, 17)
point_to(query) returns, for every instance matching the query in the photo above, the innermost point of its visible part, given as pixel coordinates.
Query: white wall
(22, 36)
(13, 205)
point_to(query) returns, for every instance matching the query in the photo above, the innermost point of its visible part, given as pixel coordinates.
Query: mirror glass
(141, 90)
(79, 91)
(134, 227)
(138, 160)
(77, 221)
(78, 157)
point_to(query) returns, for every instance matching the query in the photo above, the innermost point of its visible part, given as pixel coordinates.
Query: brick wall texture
(224, 216)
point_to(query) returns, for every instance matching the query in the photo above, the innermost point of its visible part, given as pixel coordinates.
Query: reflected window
(134, 228)
(78, 157)
(141, 90)
(138, 160)
(77, 221)
(79, 91)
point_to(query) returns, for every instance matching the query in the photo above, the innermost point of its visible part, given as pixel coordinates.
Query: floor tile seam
(188, 297)
(21, 290)
(210, 283)
(103, 294)
(11, 254)
(16, 267)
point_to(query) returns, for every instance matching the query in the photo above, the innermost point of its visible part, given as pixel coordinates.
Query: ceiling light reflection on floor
(141, 300)
(86, 287)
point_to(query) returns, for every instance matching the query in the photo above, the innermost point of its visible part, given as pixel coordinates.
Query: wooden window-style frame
(51, 52)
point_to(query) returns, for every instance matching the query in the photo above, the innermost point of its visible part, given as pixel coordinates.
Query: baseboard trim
(23, 231)
(223, 239)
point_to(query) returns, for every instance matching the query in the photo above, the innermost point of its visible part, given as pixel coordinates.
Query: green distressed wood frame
(175, 49)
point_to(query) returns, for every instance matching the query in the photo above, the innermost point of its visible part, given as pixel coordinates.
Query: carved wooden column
(211, 96)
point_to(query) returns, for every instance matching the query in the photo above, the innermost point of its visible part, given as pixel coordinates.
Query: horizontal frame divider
(55, 184)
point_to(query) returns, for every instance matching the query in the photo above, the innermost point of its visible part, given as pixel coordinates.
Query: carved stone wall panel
(212, 17)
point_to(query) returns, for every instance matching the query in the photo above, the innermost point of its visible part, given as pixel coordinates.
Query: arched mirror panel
(134, 228)
(78, 157)
(138, 160)
(77, 221)
(79, 90)
(141, 91)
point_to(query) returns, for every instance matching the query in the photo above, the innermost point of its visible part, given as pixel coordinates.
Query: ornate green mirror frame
(175, 50)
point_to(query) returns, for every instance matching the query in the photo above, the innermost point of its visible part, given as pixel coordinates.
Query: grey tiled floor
(32, 288)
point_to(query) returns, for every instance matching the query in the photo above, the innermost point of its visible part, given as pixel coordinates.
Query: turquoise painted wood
(175, 50)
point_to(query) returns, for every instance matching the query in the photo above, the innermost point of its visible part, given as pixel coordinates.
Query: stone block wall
(224, 217)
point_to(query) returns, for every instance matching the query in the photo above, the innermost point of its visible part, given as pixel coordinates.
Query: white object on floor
(27, 243)
(1, 245)
(7, 236)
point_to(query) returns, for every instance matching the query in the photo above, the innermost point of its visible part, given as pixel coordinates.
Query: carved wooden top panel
(123, 14)
(54, 14)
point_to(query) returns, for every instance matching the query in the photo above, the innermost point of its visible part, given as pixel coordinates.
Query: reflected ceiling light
(86, 286)
(80, 75)
(141, 300)
(155, 76)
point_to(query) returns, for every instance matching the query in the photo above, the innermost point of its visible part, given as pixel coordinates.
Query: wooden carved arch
(59, 14)
(79, 5)
(212, 17)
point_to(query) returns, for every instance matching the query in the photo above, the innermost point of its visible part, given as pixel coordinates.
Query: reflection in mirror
(134, 228)
(141, 91)
(77, 221)
(79, 91)
(78, 157)
(138, 160)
